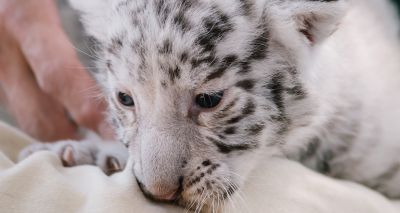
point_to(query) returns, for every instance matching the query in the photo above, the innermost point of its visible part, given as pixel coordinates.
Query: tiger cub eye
(125, 99)
(208, 101)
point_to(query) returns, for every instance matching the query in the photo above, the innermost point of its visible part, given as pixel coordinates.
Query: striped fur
(286, 90)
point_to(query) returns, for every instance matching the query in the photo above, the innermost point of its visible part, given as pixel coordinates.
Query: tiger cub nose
(165, 196)
(162, 192)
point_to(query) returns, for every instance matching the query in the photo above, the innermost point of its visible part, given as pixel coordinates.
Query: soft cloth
(41, 184)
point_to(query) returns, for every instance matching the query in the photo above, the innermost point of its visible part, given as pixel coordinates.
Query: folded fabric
(41, 184)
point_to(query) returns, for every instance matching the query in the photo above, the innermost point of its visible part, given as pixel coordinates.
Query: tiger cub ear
(314, 20)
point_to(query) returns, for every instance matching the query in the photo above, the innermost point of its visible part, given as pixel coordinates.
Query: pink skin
(41, 76)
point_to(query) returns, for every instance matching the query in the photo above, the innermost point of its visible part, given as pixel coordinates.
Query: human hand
(46, 88)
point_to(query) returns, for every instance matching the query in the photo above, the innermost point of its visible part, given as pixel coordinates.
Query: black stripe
(276, 89)
(259, 46)
(166, 48)
(227, 148)
(247, 84)
(116, 45)
(181, 21)
(246, 7)
(110, 66)
(216, 27)
(255, 129)
(249, 108)
(226, 62)
(311, 150)
(184, 57)
(296, 91)
(235, 119)
(230, 130)
(323, 164)
(162, 10)
(245, 67)
(174, 73)
(209, 60)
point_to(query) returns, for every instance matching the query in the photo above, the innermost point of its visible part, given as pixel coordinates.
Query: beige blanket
(41, 184)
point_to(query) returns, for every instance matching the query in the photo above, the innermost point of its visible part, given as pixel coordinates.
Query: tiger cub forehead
(186, 43)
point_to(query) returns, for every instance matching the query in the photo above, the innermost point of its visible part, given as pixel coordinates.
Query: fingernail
(112, 165)
(67, 156)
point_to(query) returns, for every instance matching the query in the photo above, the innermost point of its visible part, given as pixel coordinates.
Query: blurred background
(74, 30)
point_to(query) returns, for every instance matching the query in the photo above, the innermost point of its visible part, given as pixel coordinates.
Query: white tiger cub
(201, 90)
